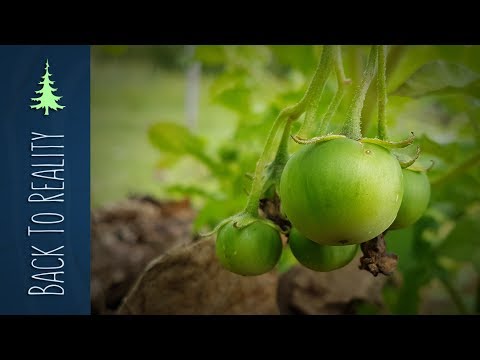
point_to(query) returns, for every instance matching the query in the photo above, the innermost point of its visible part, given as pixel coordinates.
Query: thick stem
(282, 153)
(258, 180)
(313, 108)
(342, 82)
(289, 114)
(382, 92)
(352, 127)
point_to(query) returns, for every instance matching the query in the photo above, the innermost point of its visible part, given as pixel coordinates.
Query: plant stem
(313, 108)
(288, 115)
(342, 81)
(382, 92)
(281, 157)
(456, 298)
(352, 127)
(458, 170)
(258, 179)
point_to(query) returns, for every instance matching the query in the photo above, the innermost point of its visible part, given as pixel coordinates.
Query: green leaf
(213, 55)
(232, 90)
(448, 151)
(463, 242)
(418, 265)
(191, 190)
(300, 57)
(177, 139)
(435, 76)
(236, 99)
(167, 160)
(409, 295)
(174, 138)
(216, 210)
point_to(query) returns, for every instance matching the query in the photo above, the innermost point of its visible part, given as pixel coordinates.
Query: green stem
(352, 127)
(258, 179)
(382, 92)
(313, 108)
(458, 170)
(281, 157)
(342, 81)
(456, 298)
(288, 115)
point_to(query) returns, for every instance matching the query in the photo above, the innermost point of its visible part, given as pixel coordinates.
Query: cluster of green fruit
(338, 191)
(336, 194)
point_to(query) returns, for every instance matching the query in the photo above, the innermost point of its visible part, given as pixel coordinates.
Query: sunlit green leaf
(446, 151)
(237, 99)
(191, 190)
(435, 76)
(301, 57)
(463, 243)
(210, 54)
(214, 211)
(175, 138)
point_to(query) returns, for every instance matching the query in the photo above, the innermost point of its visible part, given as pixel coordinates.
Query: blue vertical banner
(45, 180)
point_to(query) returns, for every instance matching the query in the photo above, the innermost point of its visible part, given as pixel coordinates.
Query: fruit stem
(342, 82)
(281, 157)
(352, 128)
(312, 106)
(382, 92)
(287, 115)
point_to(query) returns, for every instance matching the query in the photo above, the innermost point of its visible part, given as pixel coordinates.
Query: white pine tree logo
(47, 100)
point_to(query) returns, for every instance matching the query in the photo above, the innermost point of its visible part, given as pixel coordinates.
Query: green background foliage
(141, 143)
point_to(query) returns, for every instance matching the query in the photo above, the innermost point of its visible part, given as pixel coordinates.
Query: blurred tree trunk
(194, 72)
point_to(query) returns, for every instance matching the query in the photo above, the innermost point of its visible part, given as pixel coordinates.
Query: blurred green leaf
(232, 90)
(408, 298)
(418, 270)
(301, 57)
(448, 151)
(435, 76)
(400, 243)
(213, 55)
(463, 243)
(215, 210)
(191, 190)
(115, 50)
(235, 98)
(177, 139)
(167, 160)
(174, 138)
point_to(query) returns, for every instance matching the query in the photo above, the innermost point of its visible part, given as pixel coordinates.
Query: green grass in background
(126, 98)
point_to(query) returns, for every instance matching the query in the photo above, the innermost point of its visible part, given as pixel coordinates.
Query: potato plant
(343, 148)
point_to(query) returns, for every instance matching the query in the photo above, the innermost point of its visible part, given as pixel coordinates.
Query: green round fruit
(416, 195)
(320, 257)
(341, 192)
(252, 250)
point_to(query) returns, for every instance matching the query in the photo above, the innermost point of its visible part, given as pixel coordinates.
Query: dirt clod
(305, 292)
(190, 280)
(375, 258)
(125, 237)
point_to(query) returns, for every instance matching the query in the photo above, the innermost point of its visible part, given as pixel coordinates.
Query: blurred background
(174, 130)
